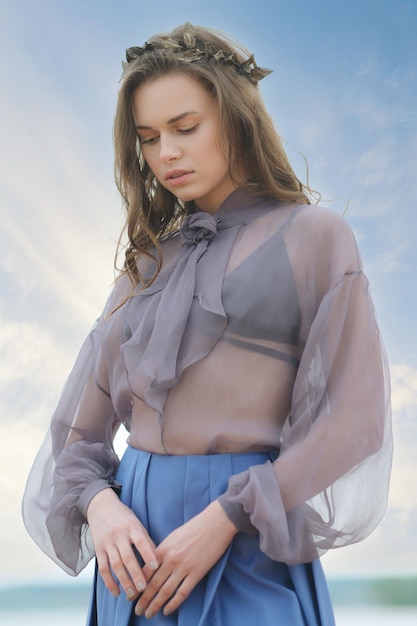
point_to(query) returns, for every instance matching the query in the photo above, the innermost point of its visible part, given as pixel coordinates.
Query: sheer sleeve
(76, 459)
(329, 485)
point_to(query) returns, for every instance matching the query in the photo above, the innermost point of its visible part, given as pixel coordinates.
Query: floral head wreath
(187, 50)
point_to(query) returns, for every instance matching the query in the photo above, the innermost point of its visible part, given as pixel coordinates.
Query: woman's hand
(116, 531)
(185, 556)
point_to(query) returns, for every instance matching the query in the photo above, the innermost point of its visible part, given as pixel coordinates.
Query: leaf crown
(188, 50)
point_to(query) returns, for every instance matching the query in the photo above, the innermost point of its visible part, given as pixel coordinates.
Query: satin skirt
(245, 587)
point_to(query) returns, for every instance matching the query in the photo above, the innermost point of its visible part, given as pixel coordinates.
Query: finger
(181, 594)
(103, 566)
(125, 564)
(147, 550)
(134, 572)
(157, 595)
(148, 573)
(154, 585)
(117, 562)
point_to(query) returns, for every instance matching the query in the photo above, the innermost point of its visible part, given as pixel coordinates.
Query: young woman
(239, 348)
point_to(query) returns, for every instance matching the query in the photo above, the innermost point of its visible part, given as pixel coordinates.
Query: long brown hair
(250, 138)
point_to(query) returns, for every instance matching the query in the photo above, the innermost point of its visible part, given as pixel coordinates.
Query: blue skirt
(245, 587)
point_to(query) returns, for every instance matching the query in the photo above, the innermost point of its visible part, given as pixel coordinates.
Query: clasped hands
(172, 569)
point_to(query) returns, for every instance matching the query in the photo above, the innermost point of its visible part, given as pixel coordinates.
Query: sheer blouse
(258, 334)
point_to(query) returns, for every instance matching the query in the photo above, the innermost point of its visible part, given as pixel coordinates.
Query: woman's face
(178, 125)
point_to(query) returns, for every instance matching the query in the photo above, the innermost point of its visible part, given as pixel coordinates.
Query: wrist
(100, 500)
(221, 520)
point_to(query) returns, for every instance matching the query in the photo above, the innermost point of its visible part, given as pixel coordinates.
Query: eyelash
(188, 131)
(183, 131)
(149, 141)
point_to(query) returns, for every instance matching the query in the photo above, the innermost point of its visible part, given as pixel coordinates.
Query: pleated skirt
(245, 587)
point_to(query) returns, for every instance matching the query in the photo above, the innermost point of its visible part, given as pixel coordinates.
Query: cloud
(392, 547)
(58, 214)
(377, 162)
(61, 214)
(391, 550)
(60, 221)
(21, 558)
(32, 371)
(387, 261)
(367, 66)
(404, 403)
(404, 391)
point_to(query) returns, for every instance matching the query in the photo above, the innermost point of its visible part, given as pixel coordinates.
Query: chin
(186, 197)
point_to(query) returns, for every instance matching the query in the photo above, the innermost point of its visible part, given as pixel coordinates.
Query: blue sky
(343, 94)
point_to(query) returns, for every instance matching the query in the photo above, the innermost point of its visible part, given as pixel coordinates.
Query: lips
(174, 174)
(176, 178)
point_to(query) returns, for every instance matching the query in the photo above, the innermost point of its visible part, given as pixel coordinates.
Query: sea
(379, 602)
(365, 616)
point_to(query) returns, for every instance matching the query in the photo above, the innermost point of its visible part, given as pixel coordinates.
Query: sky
(343, 96)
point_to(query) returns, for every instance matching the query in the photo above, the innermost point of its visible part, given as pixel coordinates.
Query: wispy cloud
(378, 165)
(33, 367)
(58, 211)
(396, 533)
(404, 403)
(404, 391)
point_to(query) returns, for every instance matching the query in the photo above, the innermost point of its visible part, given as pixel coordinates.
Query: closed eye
(188, 131)
(183, 131)
(150, 141)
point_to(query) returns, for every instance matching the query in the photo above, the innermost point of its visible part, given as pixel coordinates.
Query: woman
(240, 350)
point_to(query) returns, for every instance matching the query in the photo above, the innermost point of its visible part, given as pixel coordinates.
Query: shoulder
(321, 217)
(323, 226)
(320, 236)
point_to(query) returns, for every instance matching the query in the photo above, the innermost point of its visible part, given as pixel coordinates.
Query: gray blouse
(258, 334)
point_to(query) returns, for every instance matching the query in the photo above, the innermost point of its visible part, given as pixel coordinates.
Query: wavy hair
(251, 141)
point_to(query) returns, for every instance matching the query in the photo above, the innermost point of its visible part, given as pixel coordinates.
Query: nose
(169, 148)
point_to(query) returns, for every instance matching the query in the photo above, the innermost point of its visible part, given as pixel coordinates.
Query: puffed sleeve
(76, 459)
(329, 485)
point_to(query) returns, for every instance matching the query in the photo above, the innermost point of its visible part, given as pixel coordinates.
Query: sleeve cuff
(237, 514)
(93, 489)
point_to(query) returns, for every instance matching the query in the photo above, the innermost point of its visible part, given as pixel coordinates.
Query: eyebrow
(177, 118)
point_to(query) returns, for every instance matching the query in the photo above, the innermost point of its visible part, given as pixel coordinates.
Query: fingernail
(153, 565)
(115, 592)
(131, 593)
(138, 610)
(149, 613)
(167, 611)
(140, 586)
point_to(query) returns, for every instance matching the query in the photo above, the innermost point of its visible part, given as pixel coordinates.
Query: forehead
(167, 97)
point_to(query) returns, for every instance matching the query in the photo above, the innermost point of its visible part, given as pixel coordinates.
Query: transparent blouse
(259, 334)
